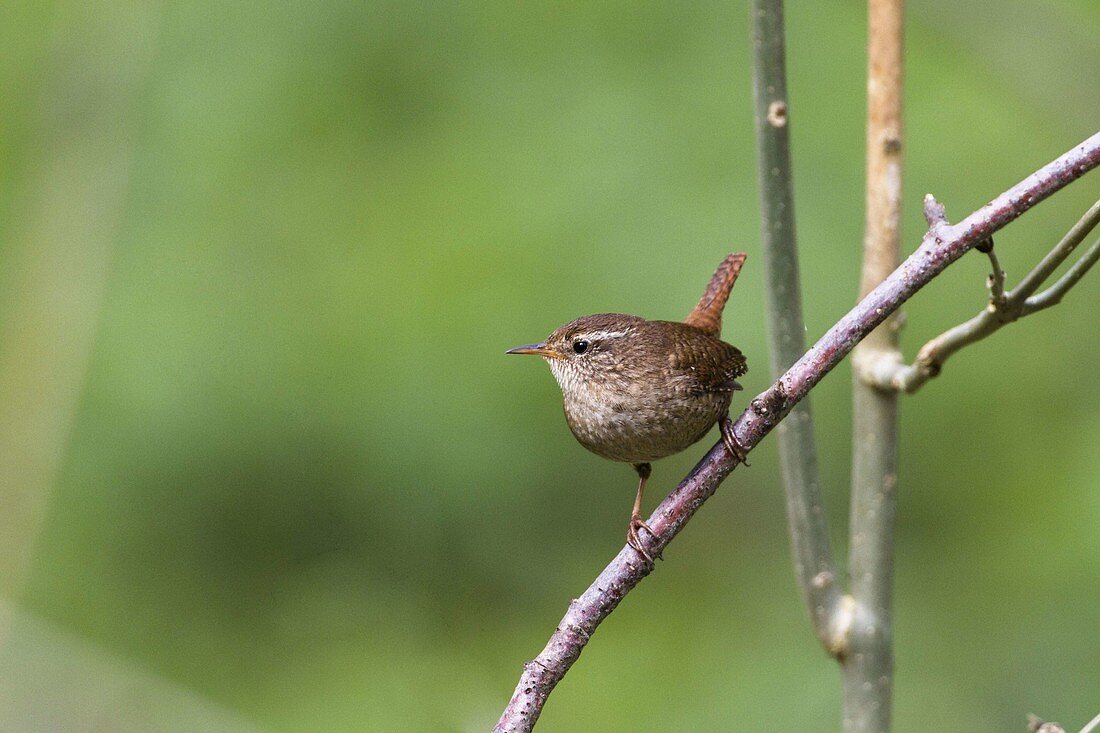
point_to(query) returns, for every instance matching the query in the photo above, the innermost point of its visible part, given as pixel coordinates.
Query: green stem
(810, 548)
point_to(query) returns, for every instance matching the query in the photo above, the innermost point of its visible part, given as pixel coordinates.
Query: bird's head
(586, 347)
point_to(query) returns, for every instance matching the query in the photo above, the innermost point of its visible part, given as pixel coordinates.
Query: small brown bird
(637, 390)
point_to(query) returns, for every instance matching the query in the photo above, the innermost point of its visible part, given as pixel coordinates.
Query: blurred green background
(264, 465)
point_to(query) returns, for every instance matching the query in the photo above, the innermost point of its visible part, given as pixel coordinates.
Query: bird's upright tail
(707, 315)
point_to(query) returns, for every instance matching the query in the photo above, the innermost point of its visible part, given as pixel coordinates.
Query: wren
(637, 390)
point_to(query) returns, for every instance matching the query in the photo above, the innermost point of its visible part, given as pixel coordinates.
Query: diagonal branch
(941, 246)
(1003, 308)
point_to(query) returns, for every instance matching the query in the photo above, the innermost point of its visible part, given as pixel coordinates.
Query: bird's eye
(580, 346)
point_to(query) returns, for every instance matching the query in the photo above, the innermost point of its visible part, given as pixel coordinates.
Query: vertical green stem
(813, 561)
(868, 662)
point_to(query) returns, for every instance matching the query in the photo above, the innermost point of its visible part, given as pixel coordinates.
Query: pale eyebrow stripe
(603, 335)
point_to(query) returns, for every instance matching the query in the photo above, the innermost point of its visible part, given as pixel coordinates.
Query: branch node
(777, 114)
(1003, 307)
(1035, 724)
(878, 368)
(840, 627)
(934, 212)
(928, 358)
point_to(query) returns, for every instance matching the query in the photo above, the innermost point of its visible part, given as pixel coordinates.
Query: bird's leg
(636, 521)
(725, 426)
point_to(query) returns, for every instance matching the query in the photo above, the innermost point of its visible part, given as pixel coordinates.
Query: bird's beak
(537, 350)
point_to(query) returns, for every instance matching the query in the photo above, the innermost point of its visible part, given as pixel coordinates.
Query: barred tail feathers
(707, 315)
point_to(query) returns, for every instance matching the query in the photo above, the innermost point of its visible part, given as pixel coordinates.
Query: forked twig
(1003, 308)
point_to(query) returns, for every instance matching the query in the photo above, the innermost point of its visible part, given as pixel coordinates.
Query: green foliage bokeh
(301, 482)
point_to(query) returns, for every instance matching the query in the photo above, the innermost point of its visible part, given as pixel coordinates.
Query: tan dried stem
(868, 664)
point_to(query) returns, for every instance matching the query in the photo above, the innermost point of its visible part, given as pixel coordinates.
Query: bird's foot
(632, 538)
(725, 426)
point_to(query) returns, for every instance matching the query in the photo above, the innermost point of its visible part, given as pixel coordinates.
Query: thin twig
(1003, 308)
(937, 251)
(996, 278)
(868, 665)
(811, 552)
(1060, 252)
(1054, 294)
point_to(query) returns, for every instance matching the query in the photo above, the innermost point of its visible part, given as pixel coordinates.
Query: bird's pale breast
(643, 426)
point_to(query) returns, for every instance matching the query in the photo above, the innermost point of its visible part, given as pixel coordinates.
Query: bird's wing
(708, 367)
